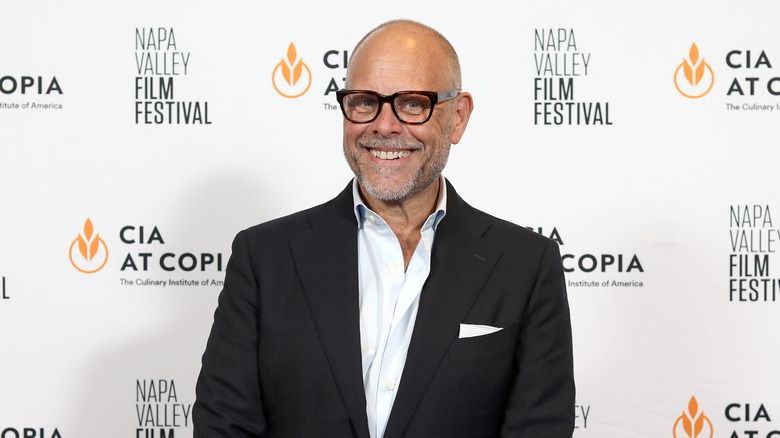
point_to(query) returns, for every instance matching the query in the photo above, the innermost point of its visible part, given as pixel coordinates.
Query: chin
(388, 192)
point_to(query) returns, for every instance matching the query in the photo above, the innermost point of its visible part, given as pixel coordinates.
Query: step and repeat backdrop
(137, 138)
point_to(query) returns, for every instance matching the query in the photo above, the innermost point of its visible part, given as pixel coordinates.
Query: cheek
(429, 133)
(351, 133)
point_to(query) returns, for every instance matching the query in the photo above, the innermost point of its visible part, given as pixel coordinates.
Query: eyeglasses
(410, 107)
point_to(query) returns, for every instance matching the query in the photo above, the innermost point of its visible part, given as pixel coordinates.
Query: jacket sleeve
(228, 401)
(540, 403)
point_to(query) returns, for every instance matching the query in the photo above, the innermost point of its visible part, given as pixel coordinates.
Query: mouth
(390, 155)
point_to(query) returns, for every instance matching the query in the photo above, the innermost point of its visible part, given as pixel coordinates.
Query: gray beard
(412, 187)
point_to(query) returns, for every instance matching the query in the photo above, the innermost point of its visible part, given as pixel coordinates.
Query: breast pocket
(479, 347)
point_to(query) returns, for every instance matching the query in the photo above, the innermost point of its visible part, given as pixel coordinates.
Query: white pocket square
(472, 330)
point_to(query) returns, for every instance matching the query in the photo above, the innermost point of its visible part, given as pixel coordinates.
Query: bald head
(413, 39)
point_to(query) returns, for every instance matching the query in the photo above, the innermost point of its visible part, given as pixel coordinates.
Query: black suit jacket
(283, 358)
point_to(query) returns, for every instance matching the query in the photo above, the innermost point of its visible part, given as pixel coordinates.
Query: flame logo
(88, 254)
(291, 70)
(692, 422)
(694, 82)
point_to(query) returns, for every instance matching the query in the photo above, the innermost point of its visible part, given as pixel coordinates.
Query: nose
(386, 123)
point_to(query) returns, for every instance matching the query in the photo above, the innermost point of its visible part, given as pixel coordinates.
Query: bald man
(395, 309)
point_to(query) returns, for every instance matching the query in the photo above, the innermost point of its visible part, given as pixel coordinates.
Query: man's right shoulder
(285, 225)
(337, 210)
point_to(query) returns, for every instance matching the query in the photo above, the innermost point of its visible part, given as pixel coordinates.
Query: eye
(365, 103)
(411, 105)
(362, 103)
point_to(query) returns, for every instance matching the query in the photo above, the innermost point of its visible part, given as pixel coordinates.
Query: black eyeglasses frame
(434, 96)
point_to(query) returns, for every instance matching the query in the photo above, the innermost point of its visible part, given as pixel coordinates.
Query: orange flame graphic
(693, 420)
(88, 254)
(88, 246)
(88, 229)
(289, 63)
(694, 78)
(688, 68)
(83, 248)
(292, 81)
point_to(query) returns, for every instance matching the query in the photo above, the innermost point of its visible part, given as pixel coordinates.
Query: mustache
(376, 142)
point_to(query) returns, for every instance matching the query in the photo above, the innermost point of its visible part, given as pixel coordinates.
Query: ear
(464, 104)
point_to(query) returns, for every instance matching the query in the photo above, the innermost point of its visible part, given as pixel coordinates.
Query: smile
(393, 155)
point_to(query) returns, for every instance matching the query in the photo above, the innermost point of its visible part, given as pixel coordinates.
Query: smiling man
(395, 309)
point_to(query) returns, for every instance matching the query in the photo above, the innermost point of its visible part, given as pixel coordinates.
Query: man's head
(392, 160)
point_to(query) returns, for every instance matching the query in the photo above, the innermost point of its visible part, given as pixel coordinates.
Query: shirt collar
(441, 205)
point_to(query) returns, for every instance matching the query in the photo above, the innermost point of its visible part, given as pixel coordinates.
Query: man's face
(392, 160)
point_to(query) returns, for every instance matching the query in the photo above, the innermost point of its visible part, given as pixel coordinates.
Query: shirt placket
(387, 361)
(406, 288)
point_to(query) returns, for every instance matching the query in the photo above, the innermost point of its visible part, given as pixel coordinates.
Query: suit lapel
(326, 263)
(460, 265)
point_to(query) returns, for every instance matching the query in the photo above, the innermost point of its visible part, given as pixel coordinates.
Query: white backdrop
(661, 184)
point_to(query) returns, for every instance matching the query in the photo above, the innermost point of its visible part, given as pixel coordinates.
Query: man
(395, 309)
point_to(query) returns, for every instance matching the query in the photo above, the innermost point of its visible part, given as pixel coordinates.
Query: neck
(407, 216)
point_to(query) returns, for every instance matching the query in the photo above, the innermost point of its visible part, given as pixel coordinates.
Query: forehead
(398, 59)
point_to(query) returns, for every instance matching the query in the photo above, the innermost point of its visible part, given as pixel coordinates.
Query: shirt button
(391, 265)
(372, 219)
(390, 385)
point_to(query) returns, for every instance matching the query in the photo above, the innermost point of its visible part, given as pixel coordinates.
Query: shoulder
(335, 211)
(512, 235)
(285, 225)
(500, 232)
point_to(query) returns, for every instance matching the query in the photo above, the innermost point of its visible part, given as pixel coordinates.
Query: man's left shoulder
(512, 233)
(494, 228)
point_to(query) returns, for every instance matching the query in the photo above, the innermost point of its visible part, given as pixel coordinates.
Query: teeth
(394, 155)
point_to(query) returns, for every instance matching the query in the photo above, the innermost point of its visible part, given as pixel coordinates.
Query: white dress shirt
(389, 299)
